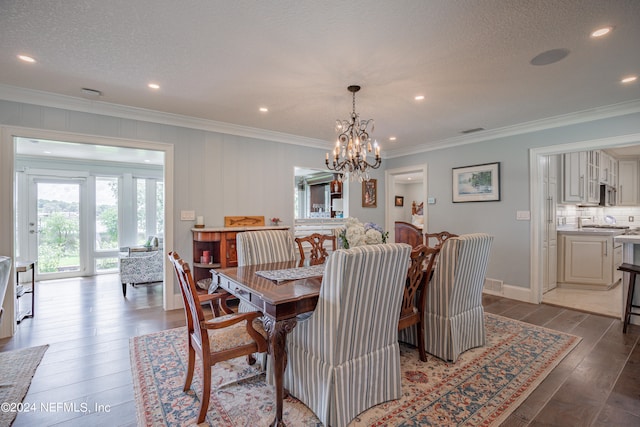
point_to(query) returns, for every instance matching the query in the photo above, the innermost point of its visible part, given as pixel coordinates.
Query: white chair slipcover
(262, 247)
(345, 358)
(453, 312)
(5, 272)
(265, 246)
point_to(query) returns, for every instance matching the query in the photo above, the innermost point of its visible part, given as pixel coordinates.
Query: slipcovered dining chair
(315, 244)
(345, 358)
(453, 312)
(215, 340)
(265, 246)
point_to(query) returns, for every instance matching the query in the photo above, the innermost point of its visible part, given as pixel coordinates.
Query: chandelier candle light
(353, 145)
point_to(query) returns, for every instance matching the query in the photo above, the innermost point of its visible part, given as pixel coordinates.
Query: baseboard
(517, 293)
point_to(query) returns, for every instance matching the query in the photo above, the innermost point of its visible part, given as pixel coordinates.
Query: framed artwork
(477, 183)
(370, 193)
(399, 201)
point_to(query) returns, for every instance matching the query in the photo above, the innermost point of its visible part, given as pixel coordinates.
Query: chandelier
(353, 146)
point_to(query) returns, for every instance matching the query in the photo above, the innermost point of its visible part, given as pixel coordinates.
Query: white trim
(535, 188)
(599, 113)
(390, 199)
(8, 132)
(47, 99)
(517, 293)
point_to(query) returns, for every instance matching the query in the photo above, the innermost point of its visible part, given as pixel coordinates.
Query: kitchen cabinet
(589, 260)
(581, 177)
(608, 169)
(627, 183)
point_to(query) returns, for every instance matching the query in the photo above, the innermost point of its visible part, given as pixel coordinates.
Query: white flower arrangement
(359, 234)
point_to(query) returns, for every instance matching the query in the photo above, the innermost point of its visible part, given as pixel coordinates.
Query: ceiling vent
(91, 93)
(472, 130)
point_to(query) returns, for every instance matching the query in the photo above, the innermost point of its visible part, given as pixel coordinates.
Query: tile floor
(608, 303)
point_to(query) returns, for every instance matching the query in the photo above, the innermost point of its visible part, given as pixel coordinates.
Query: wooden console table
(220, 243)
(21, 290)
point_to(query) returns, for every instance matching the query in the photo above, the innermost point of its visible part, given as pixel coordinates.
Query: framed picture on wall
(399, 201)
(477, 183)
(370, 193)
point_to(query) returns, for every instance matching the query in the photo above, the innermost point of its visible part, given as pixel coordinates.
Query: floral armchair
(141, 267)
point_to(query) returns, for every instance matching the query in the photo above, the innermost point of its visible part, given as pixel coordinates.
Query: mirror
(318, 194)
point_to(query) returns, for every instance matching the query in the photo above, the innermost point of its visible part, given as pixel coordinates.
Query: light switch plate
(187, 215)
(523, 215)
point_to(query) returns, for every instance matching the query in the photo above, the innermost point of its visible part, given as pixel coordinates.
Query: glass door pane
(54, 227)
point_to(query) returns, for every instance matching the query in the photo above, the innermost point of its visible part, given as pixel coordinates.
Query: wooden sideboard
(220, 243)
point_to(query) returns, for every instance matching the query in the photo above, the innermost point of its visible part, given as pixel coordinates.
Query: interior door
(56, 224)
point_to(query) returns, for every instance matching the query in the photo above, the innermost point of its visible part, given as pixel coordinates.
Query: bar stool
(632, 269)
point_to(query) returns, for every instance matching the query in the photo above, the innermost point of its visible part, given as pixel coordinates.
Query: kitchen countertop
(629, 238)
(616, 232)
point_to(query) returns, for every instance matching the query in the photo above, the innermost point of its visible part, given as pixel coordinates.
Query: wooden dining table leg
(278, 331)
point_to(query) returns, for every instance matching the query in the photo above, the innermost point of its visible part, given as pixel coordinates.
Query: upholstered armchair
(453, 312)
(345, 358)
(141, 267)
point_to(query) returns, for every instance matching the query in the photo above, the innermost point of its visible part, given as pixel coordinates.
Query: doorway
(539, 207)
(411, 181)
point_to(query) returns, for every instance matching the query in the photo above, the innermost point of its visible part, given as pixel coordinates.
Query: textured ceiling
(221, 60)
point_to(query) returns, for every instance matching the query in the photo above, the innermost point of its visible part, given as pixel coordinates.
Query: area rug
(482, 388)
(17, 368)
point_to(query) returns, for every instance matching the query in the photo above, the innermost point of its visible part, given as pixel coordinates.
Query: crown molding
(48, 99)
(615, 110)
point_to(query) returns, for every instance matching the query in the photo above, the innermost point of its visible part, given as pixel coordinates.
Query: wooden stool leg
(627, 312)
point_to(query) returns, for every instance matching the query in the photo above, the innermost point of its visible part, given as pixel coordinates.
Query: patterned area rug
(482, 388)
(17, 368)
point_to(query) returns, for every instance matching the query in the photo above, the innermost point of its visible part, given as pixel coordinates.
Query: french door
(56, 224)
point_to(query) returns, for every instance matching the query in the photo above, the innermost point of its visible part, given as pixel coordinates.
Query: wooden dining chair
(440, 238)
(420, 268)
(215, 340)
(317, 252)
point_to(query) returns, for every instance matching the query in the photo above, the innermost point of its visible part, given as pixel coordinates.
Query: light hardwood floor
(88, 323)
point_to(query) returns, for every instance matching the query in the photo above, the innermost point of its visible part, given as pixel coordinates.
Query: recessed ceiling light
(629, 79)
(147, 161)
(392, 138)
(26, 58)
(264, 110)
(409, 179)
(601, 32)
(154, 85)
(47, 152)
(419, 97)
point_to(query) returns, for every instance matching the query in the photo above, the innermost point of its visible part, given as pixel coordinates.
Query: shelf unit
(221, 244)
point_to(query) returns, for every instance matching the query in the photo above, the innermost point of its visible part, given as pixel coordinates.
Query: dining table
(281, 291)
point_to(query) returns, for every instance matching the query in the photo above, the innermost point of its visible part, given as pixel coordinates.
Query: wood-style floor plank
(88, 323)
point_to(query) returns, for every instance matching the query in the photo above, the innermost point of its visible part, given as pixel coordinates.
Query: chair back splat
(217, 339)
(316, 246)
(418, 276)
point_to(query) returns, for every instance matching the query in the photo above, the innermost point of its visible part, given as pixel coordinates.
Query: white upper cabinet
(627, 183)
(581, 177)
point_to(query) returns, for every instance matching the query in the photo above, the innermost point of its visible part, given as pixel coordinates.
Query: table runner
(292, 273)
